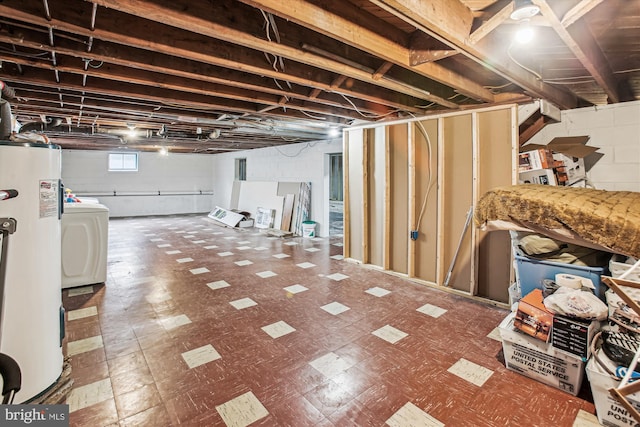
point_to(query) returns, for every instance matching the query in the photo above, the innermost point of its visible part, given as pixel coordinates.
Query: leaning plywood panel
(497, 157)
(354, 147)
(425, 138)
(399, 196)
(376, 190)
(259, 194)
(456, 197)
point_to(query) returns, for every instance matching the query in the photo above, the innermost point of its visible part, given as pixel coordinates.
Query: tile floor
(236, 329)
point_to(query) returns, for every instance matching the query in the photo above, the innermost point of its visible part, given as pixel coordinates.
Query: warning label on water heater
(48, 198)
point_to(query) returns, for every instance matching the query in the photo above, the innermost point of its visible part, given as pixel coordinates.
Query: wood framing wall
(410, 186)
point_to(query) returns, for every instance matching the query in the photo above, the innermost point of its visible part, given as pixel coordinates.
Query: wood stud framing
(427, 261)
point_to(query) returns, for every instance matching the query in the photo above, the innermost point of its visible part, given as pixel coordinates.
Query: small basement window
(123, 162)
(241, 170)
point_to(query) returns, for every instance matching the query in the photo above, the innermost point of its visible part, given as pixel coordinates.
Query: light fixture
(131, 133)
(523, 9)
(334, 132)
(525, 33)
(163, 151)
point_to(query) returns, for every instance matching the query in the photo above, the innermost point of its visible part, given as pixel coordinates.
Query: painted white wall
(305, 162)
(86, 173)
(615, 129)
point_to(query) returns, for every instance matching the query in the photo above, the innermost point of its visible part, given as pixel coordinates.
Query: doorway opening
(336, 188)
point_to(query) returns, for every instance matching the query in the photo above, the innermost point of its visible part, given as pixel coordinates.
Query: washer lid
(74, 208)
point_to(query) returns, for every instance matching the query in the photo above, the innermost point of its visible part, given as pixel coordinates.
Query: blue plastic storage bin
(530, 273)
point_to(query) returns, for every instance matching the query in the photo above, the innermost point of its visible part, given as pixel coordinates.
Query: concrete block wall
(616, 130)
(86, 173)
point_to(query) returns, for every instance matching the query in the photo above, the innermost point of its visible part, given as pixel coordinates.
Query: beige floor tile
(84, 345)
(242, 411)
(200, 356)
(412, 416)
(90, 394)
(82, 313)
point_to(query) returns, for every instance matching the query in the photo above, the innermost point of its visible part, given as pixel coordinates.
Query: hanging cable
(430, 181)
(538, 76)
(368, 116)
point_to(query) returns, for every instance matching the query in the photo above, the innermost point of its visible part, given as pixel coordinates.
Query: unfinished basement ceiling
(223, 75)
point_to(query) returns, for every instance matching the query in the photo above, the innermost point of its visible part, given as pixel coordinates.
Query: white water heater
(31, 326)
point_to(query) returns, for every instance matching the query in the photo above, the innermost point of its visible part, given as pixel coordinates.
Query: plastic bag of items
(576, 303)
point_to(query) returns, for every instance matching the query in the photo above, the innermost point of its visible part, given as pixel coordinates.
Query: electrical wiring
(553, 82)
(631, 70)
(425, 106)
(24, 54)
(312, 116)
(498, 87)
(538, 76)
(270, 23)
(89, 61)
(368, 116)
(430, 180)
(306, 146)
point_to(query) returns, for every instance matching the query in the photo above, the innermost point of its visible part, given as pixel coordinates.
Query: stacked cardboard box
(561, 162)
(544, 346)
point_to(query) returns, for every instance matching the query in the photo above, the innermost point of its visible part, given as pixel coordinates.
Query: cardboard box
(609, 410)
(540, 158)
(571, 151)
(573, 336)
(541, 176)
(539, 360)
(532, 317)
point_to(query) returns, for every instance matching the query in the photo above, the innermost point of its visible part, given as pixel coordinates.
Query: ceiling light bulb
(163, 151)
(523, 9)
(524, 34)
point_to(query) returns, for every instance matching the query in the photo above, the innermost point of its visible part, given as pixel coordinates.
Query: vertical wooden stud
(411, 256)
(366, 139)
(440, 268)
(346, 212)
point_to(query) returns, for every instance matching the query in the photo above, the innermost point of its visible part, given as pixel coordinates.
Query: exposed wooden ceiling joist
(268, 72)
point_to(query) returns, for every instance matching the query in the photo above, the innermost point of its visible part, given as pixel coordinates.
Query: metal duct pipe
(7, 91)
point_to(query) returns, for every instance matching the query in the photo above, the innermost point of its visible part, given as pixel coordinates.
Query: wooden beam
(578, 11)
(382, 70)
(432, 17)
(491, 24)
(164, 12)
(160, 96)
(423, 49)
(582, 44)
(333, 25)
(531, 130)
(195, 54)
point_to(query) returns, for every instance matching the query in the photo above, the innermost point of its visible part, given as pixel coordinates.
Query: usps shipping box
(539, 360)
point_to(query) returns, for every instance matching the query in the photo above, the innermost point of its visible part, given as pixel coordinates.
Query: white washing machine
(85, 231)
